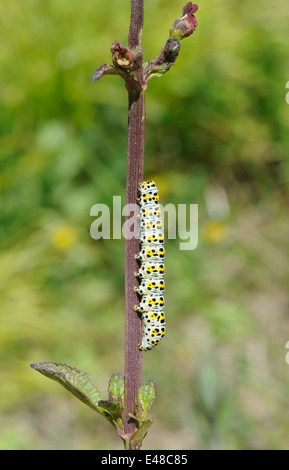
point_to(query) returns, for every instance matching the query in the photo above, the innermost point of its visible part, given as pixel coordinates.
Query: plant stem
(136, 24)
(135, 174)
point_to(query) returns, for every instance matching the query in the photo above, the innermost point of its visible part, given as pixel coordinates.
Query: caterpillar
(152, 268)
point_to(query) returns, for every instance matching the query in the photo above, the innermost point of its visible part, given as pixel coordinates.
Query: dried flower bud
(186, 24)
(121, 56)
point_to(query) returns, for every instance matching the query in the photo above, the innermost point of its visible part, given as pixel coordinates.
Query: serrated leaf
(146, 395)
(111, 407)
(141, 433)
(116, 388)
(75, 381)
(114, 409)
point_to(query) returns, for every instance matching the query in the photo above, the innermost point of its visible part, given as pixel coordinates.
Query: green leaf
(141, 433)
(158, 72)
(146, 395)
(116, 388)
(75, 381)
(114, 409)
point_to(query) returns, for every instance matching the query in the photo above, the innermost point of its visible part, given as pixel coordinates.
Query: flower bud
(171, 50)
(186, 24)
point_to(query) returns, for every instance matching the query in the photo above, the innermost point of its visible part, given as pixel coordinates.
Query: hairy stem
(136, 24)
(135, 174)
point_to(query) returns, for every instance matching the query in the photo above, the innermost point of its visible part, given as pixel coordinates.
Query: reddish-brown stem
(135, 174)
(136, 24)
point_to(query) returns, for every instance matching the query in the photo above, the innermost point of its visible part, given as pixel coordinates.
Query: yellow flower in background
(215, 232)
(63, 237)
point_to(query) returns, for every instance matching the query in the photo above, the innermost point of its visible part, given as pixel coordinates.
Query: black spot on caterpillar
(152, 268)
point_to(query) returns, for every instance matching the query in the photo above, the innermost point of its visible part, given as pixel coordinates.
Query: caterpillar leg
(146, 345)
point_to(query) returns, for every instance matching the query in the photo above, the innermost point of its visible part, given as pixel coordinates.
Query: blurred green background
(216, 136)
